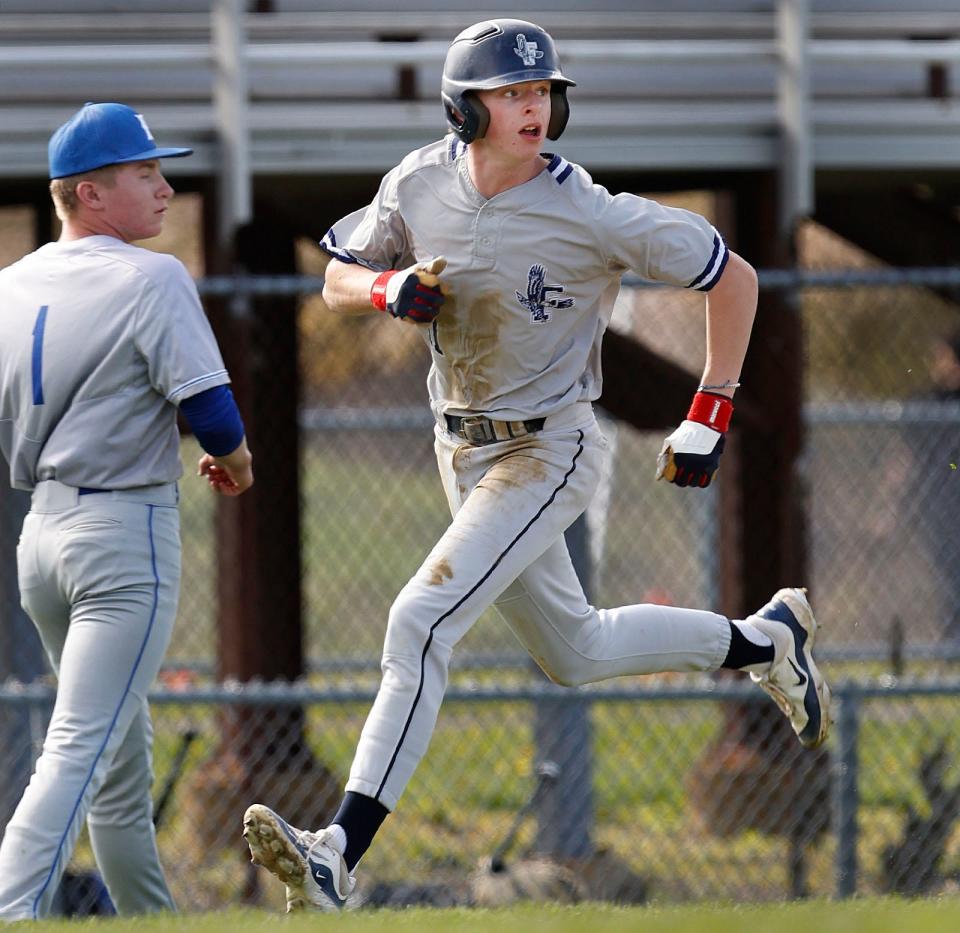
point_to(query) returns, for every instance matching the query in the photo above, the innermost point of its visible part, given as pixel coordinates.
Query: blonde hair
(64, 190)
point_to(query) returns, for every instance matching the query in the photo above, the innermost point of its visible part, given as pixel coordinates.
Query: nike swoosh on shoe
(324, 879)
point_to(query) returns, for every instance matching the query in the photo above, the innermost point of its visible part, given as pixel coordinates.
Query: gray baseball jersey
(533, 273)
(98, 341)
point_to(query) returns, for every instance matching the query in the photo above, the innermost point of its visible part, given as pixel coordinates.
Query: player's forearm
(237, 462)
(731, 307)
(346, 288)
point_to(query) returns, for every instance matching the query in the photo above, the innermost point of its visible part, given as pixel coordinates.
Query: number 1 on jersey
(38, 355)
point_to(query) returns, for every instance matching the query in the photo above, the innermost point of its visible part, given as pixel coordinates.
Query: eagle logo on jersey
(528, 51)
(536, 300)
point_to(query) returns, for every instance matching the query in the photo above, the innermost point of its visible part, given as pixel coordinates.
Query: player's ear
(88, 193)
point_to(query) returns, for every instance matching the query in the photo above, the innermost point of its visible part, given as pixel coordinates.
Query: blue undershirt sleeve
(215, 420)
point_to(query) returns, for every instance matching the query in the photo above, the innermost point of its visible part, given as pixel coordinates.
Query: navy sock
(744, 652)
(361, 817)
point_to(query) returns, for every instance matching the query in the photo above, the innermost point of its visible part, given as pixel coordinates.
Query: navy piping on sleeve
(714, 268)
(329, 245)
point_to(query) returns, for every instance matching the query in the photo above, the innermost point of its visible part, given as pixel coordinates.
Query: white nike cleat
(314, 872)
(794, 680)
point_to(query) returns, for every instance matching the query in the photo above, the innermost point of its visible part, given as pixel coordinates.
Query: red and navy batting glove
(691, 455)
(413, 294)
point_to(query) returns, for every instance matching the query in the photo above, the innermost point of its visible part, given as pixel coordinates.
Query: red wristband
(715, 411)
(378, 291)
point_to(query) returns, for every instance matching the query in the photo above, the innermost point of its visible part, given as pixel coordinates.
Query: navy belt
(478, 429)
(87, 491)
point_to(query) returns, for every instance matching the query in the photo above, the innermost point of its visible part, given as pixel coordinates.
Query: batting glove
(691, 455)
(413, 294)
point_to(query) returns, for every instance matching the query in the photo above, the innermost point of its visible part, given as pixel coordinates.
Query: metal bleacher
(680, 85)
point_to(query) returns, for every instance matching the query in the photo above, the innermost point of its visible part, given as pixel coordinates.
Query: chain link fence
(686, 787)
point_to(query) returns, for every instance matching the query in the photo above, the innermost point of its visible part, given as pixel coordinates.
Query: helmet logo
(528, 51)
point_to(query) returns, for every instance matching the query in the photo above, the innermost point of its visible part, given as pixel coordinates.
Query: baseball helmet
(493, 54)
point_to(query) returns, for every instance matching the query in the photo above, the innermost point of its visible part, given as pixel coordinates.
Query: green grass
(868, 916)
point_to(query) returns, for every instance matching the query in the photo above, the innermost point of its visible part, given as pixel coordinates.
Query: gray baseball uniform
(99, 342)
(533, 275)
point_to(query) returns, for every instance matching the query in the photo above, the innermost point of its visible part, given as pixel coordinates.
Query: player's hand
(226, 478)
(691, 455)
(414, 294)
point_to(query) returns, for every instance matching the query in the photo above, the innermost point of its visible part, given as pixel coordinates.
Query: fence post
(845, 794)
(562, 738)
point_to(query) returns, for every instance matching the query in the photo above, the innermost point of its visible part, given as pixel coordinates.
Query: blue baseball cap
(103, 134)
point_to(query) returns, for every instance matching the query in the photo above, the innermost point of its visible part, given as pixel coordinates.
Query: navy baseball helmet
(493, 54)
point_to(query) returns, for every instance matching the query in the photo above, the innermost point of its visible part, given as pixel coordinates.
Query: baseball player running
(508, 260)
(100, 343)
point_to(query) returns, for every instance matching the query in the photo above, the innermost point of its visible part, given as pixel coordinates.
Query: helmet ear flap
(559, 110)
(482, 115)
(468, 118)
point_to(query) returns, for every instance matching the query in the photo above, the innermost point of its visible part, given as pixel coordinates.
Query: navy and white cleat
(794, 680)
(314, 872)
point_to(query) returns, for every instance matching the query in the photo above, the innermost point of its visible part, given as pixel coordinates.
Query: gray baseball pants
(99, 576)
(511, 502)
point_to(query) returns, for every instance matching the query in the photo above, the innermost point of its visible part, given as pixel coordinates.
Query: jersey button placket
(487, 235)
